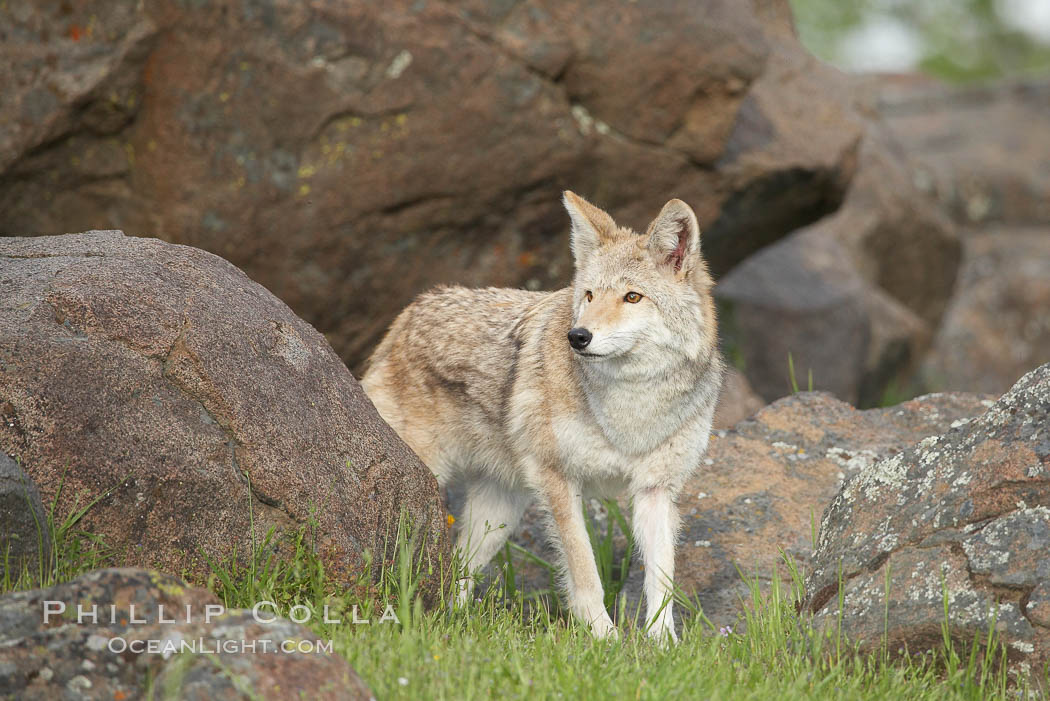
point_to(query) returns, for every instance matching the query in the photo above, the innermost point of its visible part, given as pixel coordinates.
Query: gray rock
(25, 538)
(997, 326)
(66, 655)
(963, 515)
(798, 296)
(965, 147)
(803, 296)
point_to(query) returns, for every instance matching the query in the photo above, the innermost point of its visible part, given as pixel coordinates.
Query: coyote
(604, 388)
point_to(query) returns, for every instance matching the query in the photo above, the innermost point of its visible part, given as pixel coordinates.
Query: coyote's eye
(589, 296)
(632, 297)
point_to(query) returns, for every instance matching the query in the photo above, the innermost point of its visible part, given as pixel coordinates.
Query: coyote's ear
(674, 237)
(590, 226)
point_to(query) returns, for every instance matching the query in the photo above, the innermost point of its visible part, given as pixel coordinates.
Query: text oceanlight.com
(209, 646)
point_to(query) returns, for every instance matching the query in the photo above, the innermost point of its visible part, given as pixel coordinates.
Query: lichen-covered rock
(25, 536)
(116, 633)
(963, 515)
(192, 403)
(762, 486)
(348, 155)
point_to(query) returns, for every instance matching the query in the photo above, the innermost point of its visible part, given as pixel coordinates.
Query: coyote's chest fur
(607, 386)
(628, 433)
(637, 417)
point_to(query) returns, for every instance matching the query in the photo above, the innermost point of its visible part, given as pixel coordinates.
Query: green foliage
(894, 394)
(612, 569)
(499, 649)
(960, 40)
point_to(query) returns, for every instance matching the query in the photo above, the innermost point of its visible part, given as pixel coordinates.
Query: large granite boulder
(348, 155)
(962, 517)
(194, 404)
(116, 633)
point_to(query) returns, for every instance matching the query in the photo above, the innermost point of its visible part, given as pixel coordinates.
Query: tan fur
(484, 386)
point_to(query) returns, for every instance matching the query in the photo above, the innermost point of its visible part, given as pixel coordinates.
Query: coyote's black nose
(579, 338)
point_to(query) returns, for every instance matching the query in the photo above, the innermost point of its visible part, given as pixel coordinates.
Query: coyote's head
(639, 297)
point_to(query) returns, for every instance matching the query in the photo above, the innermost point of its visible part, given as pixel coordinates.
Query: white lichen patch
(1043, 511)
(929, 458)
(985, 559)
(402, 61)
(888, 542)
(290, 346)
(96, 642)
(885, 473)
(935, 585)
(586, 123)
(852, 460)
(996, 416)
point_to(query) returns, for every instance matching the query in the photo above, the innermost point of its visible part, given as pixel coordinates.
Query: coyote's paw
(465, 589)
(662, 632)
(604, 629)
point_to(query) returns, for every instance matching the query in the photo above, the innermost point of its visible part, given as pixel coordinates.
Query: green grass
(791, 376)
(510, 644)
(516, 644)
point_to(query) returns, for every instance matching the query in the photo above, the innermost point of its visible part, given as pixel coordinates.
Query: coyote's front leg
(655, 526)
(586, 599)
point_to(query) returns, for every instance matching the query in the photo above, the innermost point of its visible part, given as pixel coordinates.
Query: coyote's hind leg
(491, 512)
